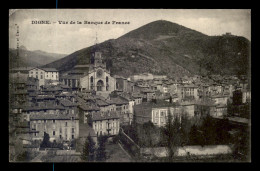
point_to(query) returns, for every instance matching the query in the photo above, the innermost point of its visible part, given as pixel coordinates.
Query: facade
(220, 99)
(95, 78)
(158, 112)
(106, 123)
(188, 91)
(59, 127)
(45, 75)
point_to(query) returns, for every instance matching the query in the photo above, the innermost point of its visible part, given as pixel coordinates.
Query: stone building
(95, 77)
(60, 127)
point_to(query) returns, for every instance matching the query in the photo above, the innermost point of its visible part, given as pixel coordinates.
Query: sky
(68, 38)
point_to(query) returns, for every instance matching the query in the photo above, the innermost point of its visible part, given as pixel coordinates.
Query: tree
(170, 99)
(22, 156)
(194, 138)
(222, 128)
(172, 135)
(101, 150)
(46, 141)
(209, 131)
(185, 128)
(88, 152)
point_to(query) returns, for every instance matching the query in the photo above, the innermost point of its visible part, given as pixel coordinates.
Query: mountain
(163, 47)
(31, 58)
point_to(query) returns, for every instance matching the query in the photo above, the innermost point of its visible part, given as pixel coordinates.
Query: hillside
(31, 58)
(163, 47)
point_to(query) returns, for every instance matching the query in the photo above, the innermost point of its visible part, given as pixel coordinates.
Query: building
(95, 77)
(220, 99)
(59, 127)
(146, 76)
(157, 112)
(45, 75)
(106, 123)
(188, 91)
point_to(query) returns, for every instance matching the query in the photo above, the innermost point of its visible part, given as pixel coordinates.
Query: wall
(32, 73)
(101, 126)
(190, 150)
(49, 127)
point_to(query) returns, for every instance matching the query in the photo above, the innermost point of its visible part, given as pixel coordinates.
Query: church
(91, 77)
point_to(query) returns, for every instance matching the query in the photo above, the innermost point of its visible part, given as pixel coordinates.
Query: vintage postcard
(129, 85)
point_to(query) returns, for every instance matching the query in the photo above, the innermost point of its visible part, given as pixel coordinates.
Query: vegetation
(46, 141)
(88, 152)
(162, 47)
(101, 150)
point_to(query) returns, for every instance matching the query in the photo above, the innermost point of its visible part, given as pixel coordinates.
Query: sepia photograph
(129, 85)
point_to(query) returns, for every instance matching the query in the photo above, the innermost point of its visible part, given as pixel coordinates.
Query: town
(87, 114)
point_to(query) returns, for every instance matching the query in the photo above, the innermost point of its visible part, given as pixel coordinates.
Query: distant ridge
(163, 47)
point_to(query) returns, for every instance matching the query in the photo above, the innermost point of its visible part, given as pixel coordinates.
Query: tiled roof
(101, 102)
(44, 97)
(147, 91)
(67, 103)
(137, 95)
(105, 115)
(39, 108)
(119, 101)
(89, 107)
(159, 103)
(52, 116)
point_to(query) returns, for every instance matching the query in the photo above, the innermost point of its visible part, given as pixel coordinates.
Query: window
(60, 130)
(44, 121)
(162, 114)
(41, 77)
(53, 133)
(72, 130)
(66, 123)
(37, 76)
(53, 121)
(60, 136)
(72, 136)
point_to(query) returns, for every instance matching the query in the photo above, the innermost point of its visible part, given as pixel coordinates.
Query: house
(60, 127)
(148, 95)
(156, 112)
(86, 110)
(122, 107)
(188, 91)
(221, 110)
(138, 98)
(220, 99)
(246, 95)
(106, 123)
(44, 75)
(205, 107)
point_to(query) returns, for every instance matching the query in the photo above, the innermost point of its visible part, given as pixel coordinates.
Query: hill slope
(31, 58)
(163, 47)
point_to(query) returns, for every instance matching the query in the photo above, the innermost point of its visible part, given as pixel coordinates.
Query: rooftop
(105, 115)
(52, 116)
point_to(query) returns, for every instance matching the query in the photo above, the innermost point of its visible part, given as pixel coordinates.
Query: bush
(115, 139)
